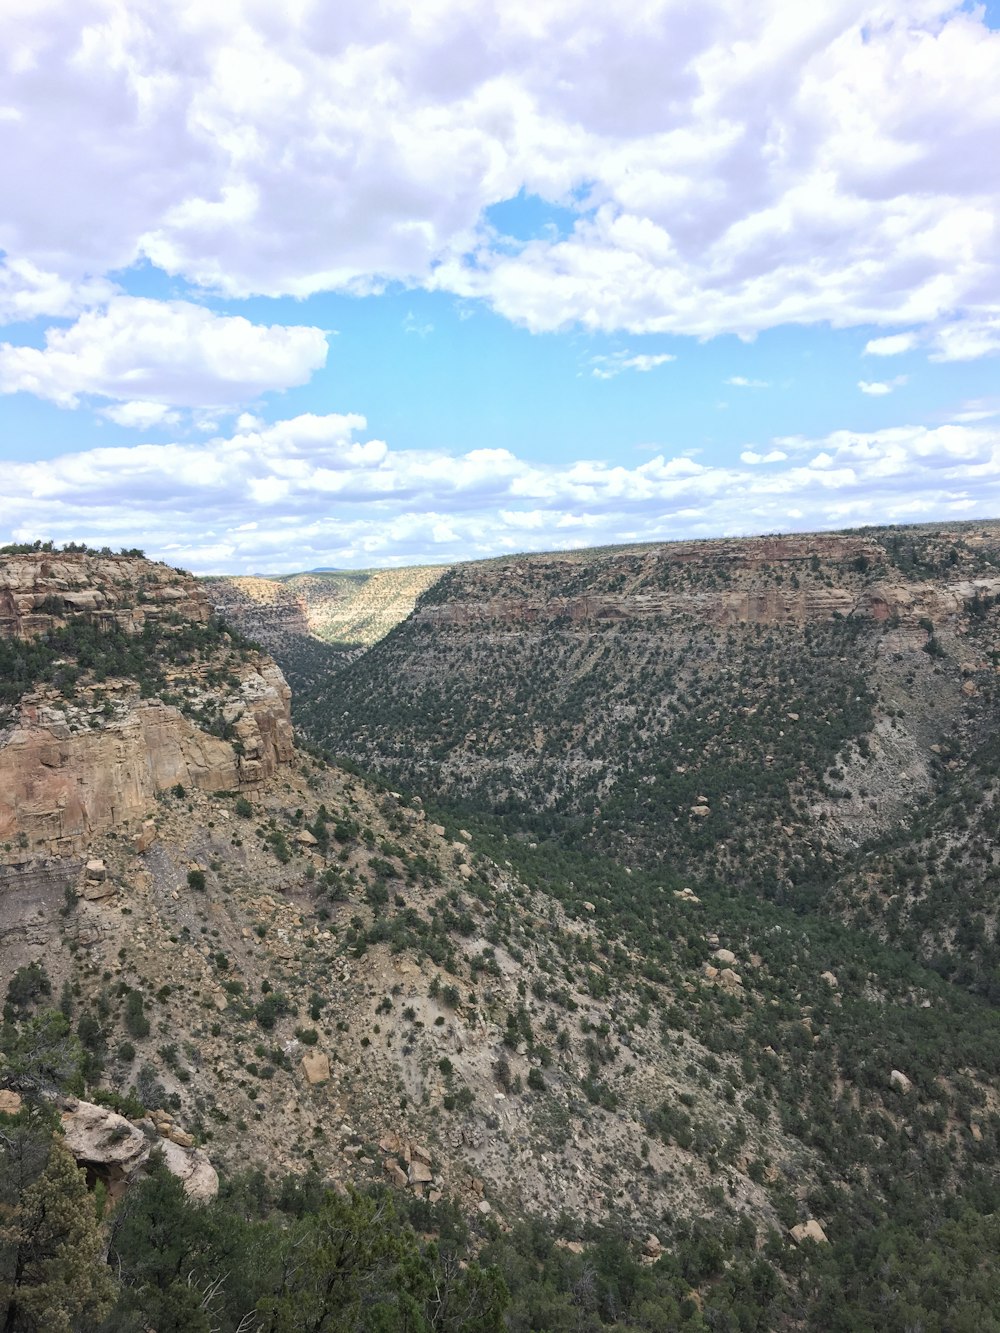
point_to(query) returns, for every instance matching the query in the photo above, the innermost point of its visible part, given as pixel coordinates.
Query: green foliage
(52, 1277)
(136, 1022)
(27, 986)
(40, 1055)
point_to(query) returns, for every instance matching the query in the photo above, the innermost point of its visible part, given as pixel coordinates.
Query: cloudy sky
(299, 284)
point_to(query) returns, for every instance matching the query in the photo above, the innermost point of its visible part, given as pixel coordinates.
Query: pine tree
(54, 1279)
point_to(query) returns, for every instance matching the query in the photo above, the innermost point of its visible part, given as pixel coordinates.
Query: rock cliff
(83, 750)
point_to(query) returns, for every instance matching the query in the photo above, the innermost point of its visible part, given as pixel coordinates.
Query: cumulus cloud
(314, 489)
(752, 457)
(741, 382)
(725, 167)
(607, 367)
(26, 292)
(967, 339)
(879, 388)
(894, 344)
(155, 354)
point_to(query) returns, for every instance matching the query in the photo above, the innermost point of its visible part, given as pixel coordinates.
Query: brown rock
(810, 1230)
(10, 1102)
(146, 837)
(397, 1176)
(316, 1066)
(420, 1173)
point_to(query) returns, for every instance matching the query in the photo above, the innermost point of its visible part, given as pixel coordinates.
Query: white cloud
(892, 345)
(140, 415)
(741, 382)
(607, 367)
(751, 456)
(967, 339)
(144, 352)
(26, 292)
(314, 490)
(731, 166)
(879, 388)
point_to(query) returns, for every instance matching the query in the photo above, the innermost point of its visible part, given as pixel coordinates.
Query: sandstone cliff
(83, 751)
(44, 588)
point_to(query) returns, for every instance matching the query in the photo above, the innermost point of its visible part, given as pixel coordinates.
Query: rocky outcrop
(795, 580)
(75, 762)
(104, 1141)
(115, 1150)
(41, 589)
(266, 610)
(60, 784)
(350, 607)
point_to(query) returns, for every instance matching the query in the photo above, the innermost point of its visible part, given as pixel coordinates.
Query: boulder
(97, 870)
(810, 1230)
(396, 1174)
(651, 1247)
(98, 890)
(102, 1139)
(420, 1173)
(725, 956)
(10, 1102)
(316, 1066)
(899, 1080)
(730, 978)
(829, 978)
(146, 837)
(192, 1168)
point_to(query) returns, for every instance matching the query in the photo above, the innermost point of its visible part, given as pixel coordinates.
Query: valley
(622, 912)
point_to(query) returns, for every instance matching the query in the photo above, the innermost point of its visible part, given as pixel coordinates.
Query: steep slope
(344, 608)
(747, 709)
(527, 1014)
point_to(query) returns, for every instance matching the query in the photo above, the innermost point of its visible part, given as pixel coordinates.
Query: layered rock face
(794, 580)
(78, 762)
(41, 589)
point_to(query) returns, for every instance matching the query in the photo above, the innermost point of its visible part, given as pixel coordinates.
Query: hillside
(754, 709)
(347, 609)
(546, 1023)
(799, 730)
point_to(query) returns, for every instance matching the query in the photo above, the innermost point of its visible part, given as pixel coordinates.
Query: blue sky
(354, 289)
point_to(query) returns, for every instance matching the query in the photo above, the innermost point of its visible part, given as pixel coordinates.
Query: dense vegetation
(83, 652)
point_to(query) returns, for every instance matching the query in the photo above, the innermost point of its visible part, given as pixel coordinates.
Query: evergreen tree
(52, 1275)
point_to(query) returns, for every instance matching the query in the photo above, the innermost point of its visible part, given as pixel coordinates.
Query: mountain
(599, 981)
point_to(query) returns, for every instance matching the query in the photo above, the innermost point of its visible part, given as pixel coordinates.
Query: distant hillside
(757, 712)
(344, 608)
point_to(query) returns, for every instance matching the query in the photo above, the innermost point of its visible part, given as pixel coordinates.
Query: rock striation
(77, 763)
(43, 589)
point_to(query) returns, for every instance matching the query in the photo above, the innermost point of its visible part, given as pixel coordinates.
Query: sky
(286, 284)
